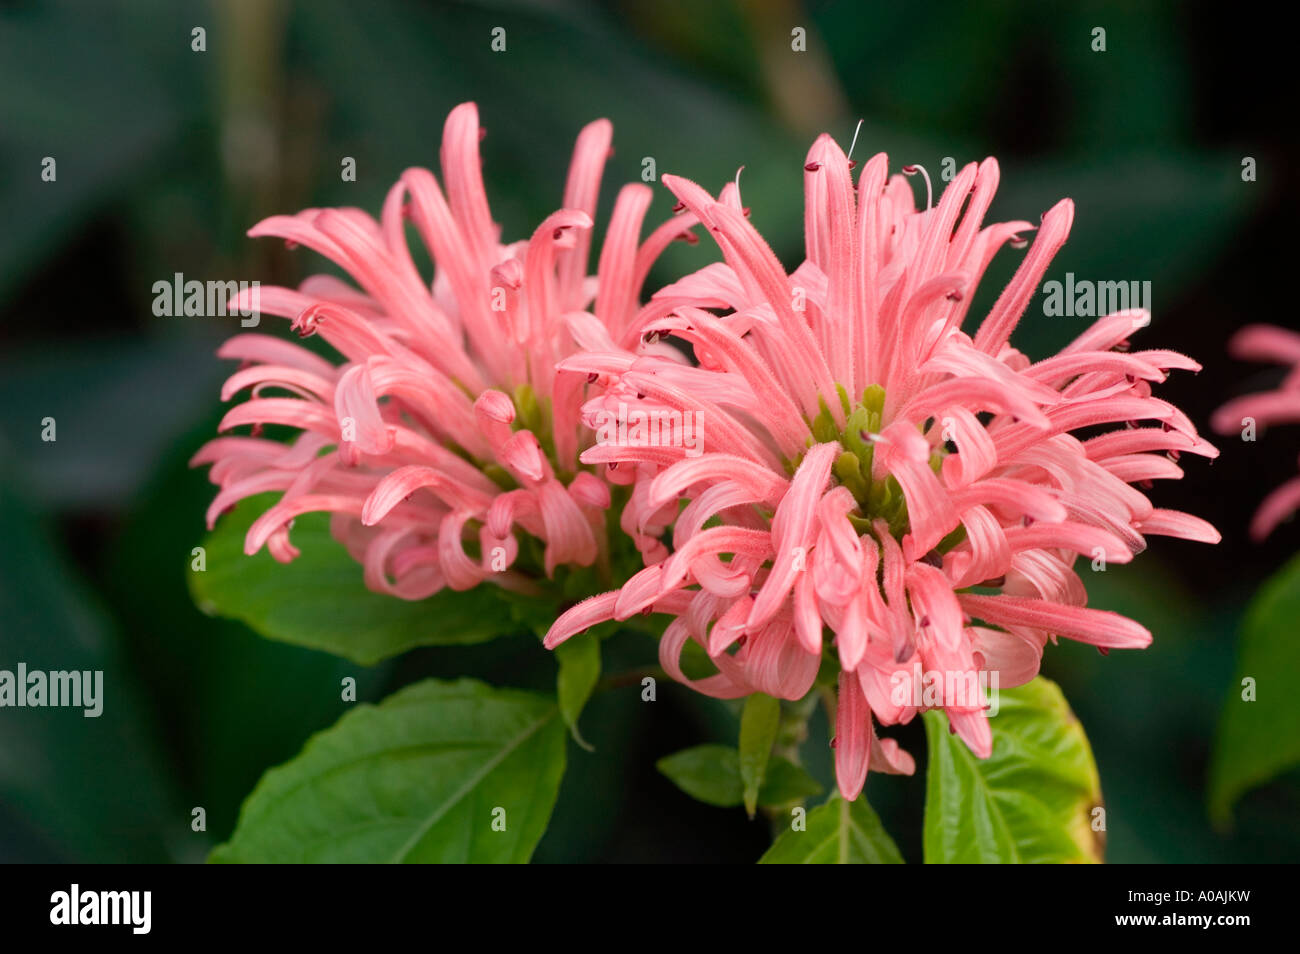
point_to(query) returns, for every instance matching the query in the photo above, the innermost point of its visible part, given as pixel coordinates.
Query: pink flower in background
(446, 425)
(871, 469)
(1281, 406)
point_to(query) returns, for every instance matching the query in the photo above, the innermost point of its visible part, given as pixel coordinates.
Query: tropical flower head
(883, 494)
(1279, 406)
(445, 425)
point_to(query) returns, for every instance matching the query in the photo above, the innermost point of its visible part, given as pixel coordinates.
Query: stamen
(857, 129)
(913, 169)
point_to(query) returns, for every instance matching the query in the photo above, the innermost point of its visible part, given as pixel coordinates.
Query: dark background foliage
(165, 156)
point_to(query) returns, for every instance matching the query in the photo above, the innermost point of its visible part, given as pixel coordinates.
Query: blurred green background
(166, 155)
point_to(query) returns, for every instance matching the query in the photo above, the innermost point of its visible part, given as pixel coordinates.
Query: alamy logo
(956, 689)
(658, 427)
(57, 688)
(195, 299)
(103, 907)
(1089, 299)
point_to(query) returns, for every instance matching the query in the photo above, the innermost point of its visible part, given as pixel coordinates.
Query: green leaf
(711, 774)
(428, 775)
(1030, 801)
(321, 601)
(1257, 738)
(579, 661)
(759, 723)
(787, 783)
(838, 832)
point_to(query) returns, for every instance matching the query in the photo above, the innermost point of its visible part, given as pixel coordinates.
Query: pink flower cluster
(446, 425)
(878, 479)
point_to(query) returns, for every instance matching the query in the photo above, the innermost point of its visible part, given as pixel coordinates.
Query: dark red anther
(1123, 345)
(924, 622)
(482, 133)
(640, 395)
(1146, 484)
(555, 236)
(650, 337)
(954, 296)
(812, 167)
(742, 639)
(835, 742)
(1028, 521)
(1166, 426)
(1130, 379)
(865, 435)
(257, 429)
(679, 207)
(290, 244)
(853, 164)
(1103, 650)
(1174, 455)
(648, 610)
(745, 211)
(613, 465)
(593, 378)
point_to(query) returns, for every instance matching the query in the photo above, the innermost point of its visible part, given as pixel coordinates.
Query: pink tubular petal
(1002, 319)
(1014, 656)
(1278, 506)
(1099, 627)
(762, 484)
(1172, 523)
(396, 486)
(1266, 343)
(972, 725)
(580, 618)
(580, 192)
(889, 759)
(852, 737)
(356, 405)
(462, 171)
(792, 530)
